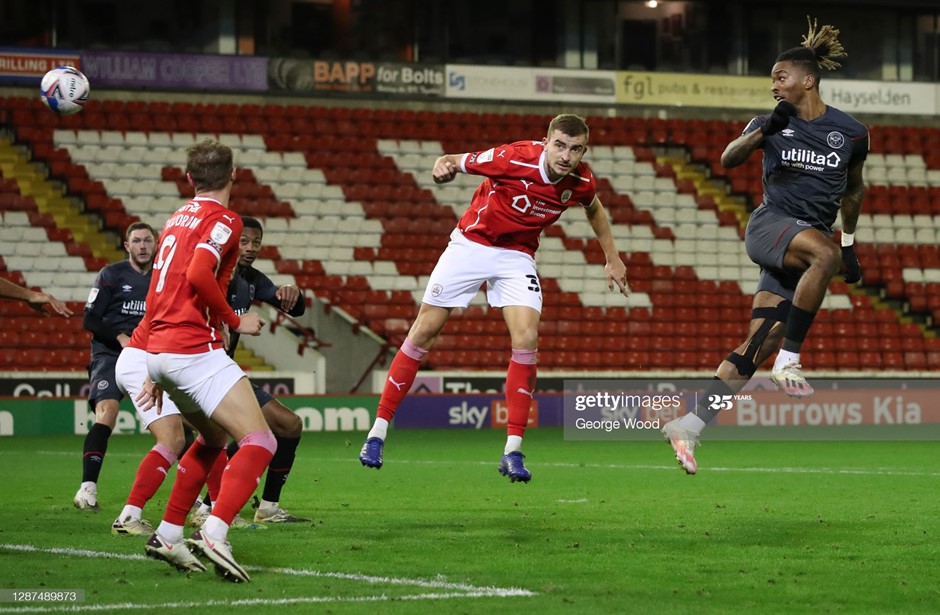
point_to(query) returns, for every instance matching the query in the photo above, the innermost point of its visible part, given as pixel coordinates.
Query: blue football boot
(511, 465)
(371, 453)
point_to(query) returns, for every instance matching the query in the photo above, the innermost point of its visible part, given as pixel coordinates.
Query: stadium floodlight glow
(652, 4)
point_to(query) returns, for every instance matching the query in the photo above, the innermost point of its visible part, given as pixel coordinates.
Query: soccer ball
(64, 90)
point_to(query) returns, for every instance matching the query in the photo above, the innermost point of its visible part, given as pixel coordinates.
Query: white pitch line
(433, 584)
(672, 467)
(456, 590)
(72, 552)
(127, 606)
(612, 466)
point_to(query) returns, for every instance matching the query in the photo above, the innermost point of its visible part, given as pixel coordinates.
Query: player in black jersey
(115, 306)
(247, 286)
(813, 156)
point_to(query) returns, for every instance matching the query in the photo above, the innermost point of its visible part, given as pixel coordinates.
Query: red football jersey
(517, 200)
(180, 320)
(141, 334)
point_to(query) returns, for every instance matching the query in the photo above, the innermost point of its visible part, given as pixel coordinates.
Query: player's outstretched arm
(286, 298)
(614, 269)
(57, 306)
(739, 150)
(446, 168)
(35, 299)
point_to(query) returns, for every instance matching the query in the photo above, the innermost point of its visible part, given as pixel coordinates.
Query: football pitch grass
(604, 527)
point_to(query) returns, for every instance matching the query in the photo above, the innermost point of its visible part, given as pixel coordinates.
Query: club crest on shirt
(565, 196)
(436, 290)
(92, 295)
(835, 139)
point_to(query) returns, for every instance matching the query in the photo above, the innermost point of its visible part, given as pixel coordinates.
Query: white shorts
(130, 371)
(197, 382)
(510, 276)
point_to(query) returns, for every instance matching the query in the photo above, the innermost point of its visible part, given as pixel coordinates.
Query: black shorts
(767, 239)
(261, 395)
(102, 381)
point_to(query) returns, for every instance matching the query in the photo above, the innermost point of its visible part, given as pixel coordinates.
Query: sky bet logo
(724, 402)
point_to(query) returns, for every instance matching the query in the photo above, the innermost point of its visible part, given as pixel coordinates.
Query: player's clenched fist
(250, 324)
(288, 295)
(779, 118)
(853, 270)
(444, 170)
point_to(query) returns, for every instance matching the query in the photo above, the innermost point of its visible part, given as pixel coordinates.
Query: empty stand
(351, 212)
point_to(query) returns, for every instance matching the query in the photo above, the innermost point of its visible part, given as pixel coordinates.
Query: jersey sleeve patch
(486, 156)
(220, 233)
(92, 296)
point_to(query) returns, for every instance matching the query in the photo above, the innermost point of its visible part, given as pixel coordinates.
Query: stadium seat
(368, 179)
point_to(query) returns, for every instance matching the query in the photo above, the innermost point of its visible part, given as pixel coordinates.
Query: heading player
(527, 186)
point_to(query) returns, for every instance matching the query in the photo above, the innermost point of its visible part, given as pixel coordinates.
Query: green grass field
(604, 527)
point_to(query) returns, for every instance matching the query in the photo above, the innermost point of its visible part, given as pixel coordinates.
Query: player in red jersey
(527, 186)
(186, 308)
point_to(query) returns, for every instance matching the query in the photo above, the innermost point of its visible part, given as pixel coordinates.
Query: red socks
(214, 480)
(190, 477)
(150, 475)
(243, 473)
(520, 386)
(401, 375)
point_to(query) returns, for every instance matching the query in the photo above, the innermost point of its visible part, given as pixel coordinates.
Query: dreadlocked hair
(820, 49)
(824, 42)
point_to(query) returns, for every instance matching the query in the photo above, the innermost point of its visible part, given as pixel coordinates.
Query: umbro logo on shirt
(787, 132)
